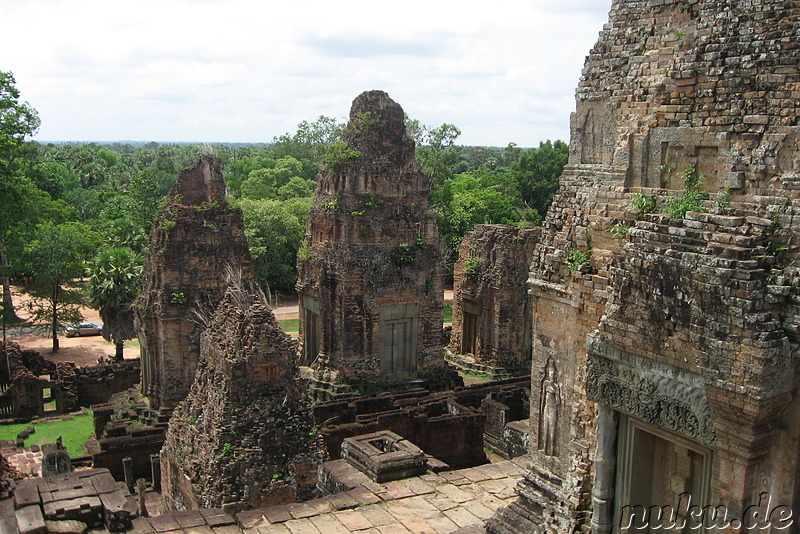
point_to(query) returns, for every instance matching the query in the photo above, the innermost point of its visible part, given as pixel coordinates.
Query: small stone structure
(370, 275)
(126, 427)
(491, 313)
(70, 387)
(448, 426)
(196, 238)
(72, 503)
(244, 437)
(384, 456)
(664, 356)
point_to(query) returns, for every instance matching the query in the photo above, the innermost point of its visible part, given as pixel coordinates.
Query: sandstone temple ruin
(665, 329)
(657, 310)
(370, 278)
(244, 437)
(196, 238)
(491, 312)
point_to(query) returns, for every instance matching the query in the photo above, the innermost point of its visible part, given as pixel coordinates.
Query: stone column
(127, 468)
(140, 490)
(605, 470)
(155, 471)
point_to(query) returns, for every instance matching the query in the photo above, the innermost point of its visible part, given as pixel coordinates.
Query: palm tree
(113, 285)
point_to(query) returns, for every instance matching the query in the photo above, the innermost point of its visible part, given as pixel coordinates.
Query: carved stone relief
(549, 404)
(662, 395)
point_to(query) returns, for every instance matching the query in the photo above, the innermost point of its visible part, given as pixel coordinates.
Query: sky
(248, 71)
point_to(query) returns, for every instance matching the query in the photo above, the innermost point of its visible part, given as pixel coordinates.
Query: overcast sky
(247, 71)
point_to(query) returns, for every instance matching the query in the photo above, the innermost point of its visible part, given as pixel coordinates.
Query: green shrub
(644, 204)
(578, 259)
(340, 156)
(472, 266)
(402, 254)
(619, 230)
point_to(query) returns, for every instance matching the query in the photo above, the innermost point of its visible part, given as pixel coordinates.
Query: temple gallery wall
(640, 344)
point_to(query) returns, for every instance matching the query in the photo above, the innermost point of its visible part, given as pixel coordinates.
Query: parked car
(83, 329)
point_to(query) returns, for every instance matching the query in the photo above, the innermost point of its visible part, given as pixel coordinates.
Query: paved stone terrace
(450, 501)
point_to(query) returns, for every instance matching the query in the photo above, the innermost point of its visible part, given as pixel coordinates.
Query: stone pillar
(605, 470)
(127, 468)
(140, 491)
(155, 471)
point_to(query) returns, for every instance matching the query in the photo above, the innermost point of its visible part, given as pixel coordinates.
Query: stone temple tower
(370, 273)
(196, 238)
(665, 363)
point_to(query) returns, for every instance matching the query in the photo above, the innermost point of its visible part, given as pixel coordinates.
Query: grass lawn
(290, 325)
(75, 432)
(448, 312)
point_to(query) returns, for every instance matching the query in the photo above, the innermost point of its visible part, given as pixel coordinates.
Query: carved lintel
(657, 393)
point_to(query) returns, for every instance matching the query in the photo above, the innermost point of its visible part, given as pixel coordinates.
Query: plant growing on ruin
(167, 225)
(619, 230)
(340, 156)
(692, 199)
(472, 266)
(304, 252)
(227, 449)
(368, 201)
(724, 202)
(773, 246)
(177, 298)
(402, 254)
(578, 259)
(331, 205)
(421, 243)
(365, 120)
(644, 204)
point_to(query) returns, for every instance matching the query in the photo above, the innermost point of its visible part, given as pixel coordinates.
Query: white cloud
(241, 70)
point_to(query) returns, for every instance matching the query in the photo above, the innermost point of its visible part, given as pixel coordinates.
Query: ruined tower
(491, 314)
(370, 273)
(196, 236)
(664, 288)
(244, 437)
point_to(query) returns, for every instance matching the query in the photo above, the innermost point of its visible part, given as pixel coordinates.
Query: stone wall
(679, 333)
(196, 236)
(98, 383)
(244, 436)
(370, 280)
(491, 314)
(450, 426)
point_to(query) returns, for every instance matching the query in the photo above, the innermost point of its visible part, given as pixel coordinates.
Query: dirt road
(82, 351)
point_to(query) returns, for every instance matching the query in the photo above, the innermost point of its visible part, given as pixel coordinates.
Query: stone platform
(451, 501)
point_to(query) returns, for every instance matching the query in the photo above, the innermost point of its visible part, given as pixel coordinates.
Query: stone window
(399, 325)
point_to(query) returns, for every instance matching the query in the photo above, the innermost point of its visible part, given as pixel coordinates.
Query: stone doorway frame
(626, 438)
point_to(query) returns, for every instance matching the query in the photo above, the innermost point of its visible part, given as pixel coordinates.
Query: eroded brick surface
(679, 332)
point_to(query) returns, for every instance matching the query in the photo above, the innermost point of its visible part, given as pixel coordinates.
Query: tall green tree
(537, 170)
(275, 231)
(55, 257)
(17, 121)
(114, 277)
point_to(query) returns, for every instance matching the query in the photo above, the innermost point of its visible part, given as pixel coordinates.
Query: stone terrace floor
(450, 501)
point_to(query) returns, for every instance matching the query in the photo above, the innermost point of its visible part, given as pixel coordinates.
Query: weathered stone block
(384, 456)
